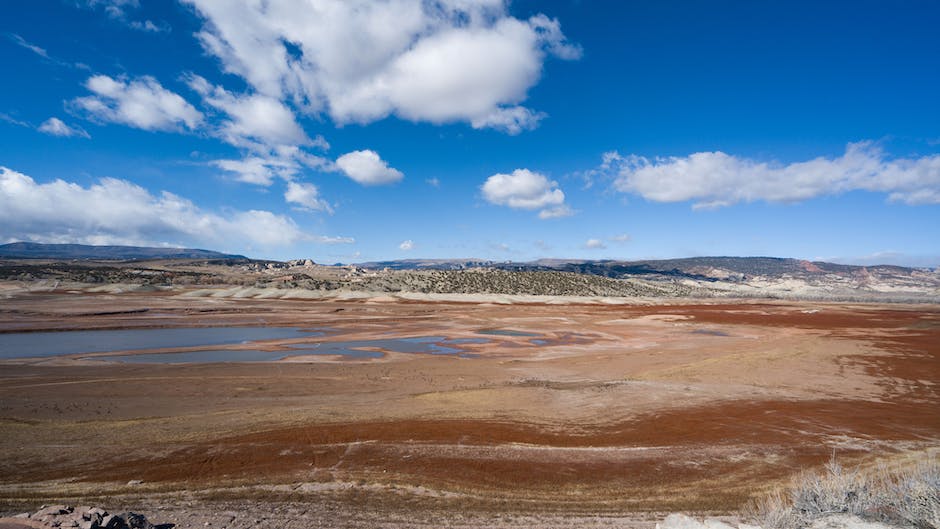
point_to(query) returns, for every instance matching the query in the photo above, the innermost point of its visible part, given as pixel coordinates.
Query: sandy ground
(611, 409)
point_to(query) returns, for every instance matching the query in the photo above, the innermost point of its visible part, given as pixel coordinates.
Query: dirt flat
(568, 409)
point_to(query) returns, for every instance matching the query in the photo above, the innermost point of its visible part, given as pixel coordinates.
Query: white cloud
(623, 237)
(13, 121)
(525, 189)
(557, 212)
(406, 245)
(40, 51)
(334, 240)
(20, 41)
(253, 120)
(114, 8)
(116, 211)
(263, 169)
(267, 129)
(252, 170)
(120, 10)
(716, 179)
(511, 120)
(594, 244)
(141, 103)
(56, 127)
(149, 26)
(367, 168)
(307, 196)
(360, 61)
(433, 182)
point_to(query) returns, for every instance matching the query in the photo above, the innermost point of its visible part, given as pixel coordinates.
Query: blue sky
(344, 131)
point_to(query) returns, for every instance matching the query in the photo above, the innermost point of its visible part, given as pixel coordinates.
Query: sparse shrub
(915, 499)
(909, 498)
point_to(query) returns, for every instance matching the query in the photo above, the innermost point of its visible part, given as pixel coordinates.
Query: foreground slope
(558, 410)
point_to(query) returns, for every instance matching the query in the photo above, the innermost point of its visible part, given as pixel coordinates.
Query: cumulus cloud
(525, 189)
(263, 169)
(252, 120)
(557, 212)
(406, 245)
(56, 127)
(623, 237)
(594, 244)
(273, 142)
(360, 61)
(52, 126)
(511, 120)
(307, 196)
(141, 103)
(254, 169)
(716, 179)
(115, 211)
(367, 168)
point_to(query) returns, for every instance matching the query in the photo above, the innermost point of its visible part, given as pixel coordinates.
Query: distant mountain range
(699, 269)
(33, 250)
(705, 277)
(696, 268)
(427, 264)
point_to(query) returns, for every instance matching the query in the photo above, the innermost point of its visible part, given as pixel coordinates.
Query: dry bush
(906, 498)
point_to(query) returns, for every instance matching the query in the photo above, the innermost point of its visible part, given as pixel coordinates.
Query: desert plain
(536, 414)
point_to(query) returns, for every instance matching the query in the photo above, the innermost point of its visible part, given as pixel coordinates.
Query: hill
(33, 250)
(696, 268)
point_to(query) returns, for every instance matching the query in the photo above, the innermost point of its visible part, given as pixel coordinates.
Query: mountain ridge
(35, 250)
(753, 265)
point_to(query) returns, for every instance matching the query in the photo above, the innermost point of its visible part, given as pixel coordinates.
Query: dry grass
(908, 497)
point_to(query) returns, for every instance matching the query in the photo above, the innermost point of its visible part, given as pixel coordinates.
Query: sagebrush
(907, 498)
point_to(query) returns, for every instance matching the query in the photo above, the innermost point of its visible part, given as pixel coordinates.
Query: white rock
(680, 521)
(711, 523)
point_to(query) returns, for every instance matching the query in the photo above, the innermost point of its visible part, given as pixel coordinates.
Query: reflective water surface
(43, 344)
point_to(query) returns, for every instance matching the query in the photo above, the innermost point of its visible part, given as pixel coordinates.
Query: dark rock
(52, 510)
(136, 521)
(113, 522)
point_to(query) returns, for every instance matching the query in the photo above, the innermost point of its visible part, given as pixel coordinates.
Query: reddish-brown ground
(684, 406)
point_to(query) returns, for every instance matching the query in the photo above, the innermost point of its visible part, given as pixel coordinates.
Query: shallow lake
(198, 357)
(43, 344)
(710, 332)
(435, 345)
